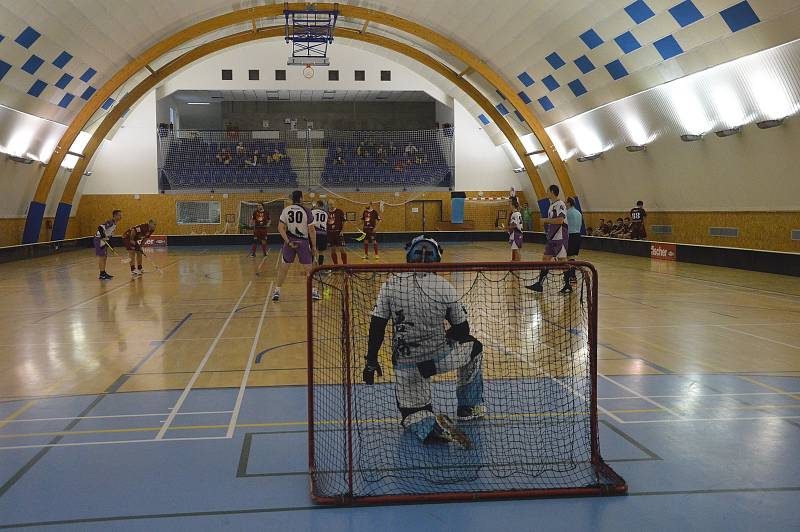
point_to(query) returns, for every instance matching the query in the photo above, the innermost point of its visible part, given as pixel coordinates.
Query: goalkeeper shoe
(276, 295)
(315, 295)
(536, 287)
(444, 430)
(567, 288)
(466, 413)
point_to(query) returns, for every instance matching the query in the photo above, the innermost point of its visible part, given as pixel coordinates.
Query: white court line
(185, 393)
(683, 325)
(250, 361)
(702, 419)
(79, 444)
(684, 396)
(659, 405)
(761, 337)
(119, 416)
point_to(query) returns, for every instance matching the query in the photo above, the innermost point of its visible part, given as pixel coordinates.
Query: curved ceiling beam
(198, 53)
(36, 211)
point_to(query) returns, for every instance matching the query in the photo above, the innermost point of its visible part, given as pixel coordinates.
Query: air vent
(253, 75)
(386, 75)
(333, 75)
(280, 75)
(661, 229)
(197, 212)
(361, 75)
(227, 75)
(731, 232)
(795, 234)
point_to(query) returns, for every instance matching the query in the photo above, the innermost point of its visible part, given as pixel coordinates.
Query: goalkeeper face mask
(423, 249)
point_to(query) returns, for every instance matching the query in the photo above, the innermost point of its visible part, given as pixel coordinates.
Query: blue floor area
(715, 452)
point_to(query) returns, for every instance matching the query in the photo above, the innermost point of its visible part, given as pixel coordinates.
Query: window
(253, 75)
(197, 212)
(280, 75)
(333, 75)
(227, 75)
(386, 75)
(360, 75)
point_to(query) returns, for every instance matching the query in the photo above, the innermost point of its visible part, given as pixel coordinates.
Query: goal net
(247, 208)
(539, 436)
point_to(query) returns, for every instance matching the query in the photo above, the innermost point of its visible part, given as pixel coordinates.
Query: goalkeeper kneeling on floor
(418, 303)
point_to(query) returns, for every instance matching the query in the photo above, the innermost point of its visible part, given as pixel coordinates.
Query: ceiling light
(519, 170)
(728, 132)
(634, 148)
(766, 124)
(591, 157)
(691, 138)
(535, 152)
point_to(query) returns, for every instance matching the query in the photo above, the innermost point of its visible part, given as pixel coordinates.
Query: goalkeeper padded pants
(413, 385)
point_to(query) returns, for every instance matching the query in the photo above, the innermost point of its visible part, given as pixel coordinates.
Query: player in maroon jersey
(133, 239)
(260, 223)
(370, 217)
(335, 225)
(638, 216)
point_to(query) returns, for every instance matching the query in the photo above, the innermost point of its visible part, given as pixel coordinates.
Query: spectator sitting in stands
(339, 159)
(339, 152)
(252, 161)
(601, 228)
(626, 228)
(277, 156)
(224, 156)
(410, 149)
(421, 158)
(240, 150)
(590, 231)
(361, 151)
(381, 154)
(392, 149)
(398, 166)
(617, 228)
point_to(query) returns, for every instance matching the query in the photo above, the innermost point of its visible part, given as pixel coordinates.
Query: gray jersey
(418, 304)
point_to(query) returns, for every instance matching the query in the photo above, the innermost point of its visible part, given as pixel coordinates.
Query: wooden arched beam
(36, 210)
(130, 99)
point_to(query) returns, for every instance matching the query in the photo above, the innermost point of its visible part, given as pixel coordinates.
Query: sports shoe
(140, 271)
(567, 289)
(135, 274)
(109, 276)
(365, 257)
(276, 295)
(376, 256)
(104, 277)
(536, 287)
(466, 413)
(444, 430)
(253, 255)
(265, 253)
(315, 295)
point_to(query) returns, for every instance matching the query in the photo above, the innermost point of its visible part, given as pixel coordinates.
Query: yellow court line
(769, 387)
(668, 350)
(364, 421)
(16, 413)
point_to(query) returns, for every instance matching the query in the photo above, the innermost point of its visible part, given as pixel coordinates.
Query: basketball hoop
(308, 71)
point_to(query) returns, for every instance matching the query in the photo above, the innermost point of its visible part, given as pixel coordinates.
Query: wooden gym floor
(175, 401)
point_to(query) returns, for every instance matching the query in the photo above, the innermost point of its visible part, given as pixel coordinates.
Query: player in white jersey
(299, 240)
(319, 218)
(104, 233)
(557, 233)
(515, 231)
(418, 303)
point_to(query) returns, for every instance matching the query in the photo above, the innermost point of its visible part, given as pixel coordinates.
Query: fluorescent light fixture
(771, 96)
(591, 157)
(728, 132)
(198, 103)
(634, 148)
(636, 131)
(767, 124)
(535, 152)
(539, 159)
(729, 107)
(690, 110)
(518, 170)
(691, 138)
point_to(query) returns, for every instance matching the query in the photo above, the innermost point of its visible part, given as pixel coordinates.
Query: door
(414, 216)
(423, 215)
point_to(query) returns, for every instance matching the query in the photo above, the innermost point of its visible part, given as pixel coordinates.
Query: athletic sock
(366, 248)
(132, 266)
(263, 248)
(334, 258)
(344, 257)
(375, 246)
(253, 249)
(320, 259)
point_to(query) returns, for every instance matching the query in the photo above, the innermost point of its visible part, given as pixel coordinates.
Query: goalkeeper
(418, 304)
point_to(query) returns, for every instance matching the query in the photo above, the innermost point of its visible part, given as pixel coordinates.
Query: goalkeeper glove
(369, 371)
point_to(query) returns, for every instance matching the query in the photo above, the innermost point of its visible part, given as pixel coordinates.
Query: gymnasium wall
(479, 214)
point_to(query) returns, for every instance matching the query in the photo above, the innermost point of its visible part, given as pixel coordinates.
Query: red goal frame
(618, 485)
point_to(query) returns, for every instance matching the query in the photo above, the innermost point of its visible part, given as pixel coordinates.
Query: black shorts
(574, 244)
(322, 241)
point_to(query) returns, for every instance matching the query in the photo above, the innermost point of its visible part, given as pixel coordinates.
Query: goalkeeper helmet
(423, 249)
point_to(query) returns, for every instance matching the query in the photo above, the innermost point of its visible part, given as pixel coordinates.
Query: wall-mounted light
(766, 124)
(87, 173)
(636, 148)
(591, 157)
(17, 159)
(519, 170)
(728, 132)
(691, 138)
(198, 103)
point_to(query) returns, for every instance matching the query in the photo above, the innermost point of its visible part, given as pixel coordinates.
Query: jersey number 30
(295, 217)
